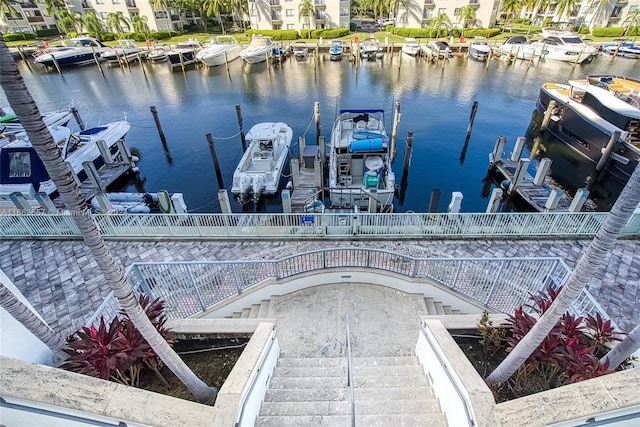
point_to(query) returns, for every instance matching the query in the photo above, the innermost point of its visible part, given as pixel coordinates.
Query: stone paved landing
(63, 283)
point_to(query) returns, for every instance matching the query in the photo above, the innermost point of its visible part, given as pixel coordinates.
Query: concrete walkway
(63, 283)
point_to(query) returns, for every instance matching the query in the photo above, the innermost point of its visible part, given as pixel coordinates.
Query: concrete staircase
(436, 308)
(389, 391)
(255, 311)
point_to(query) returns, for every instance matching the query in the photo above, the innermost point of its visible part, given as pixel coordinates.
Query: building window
(289, 12)
(99, 1)
(616, 12)
(277, 26)
(115, 1)
(456, 11)
(291, 27)
(103, 15)
(345, 11)
(427, 14)
(442, 11)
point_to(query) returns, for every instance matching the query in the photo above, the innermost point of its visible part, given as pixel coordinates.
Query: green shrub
(328, 33)
(278, 34)
(607, 32)
(581, 30)
(48, 32)
(633, 31)
(159, 35)
(525, 21)
(353, 27)
(482, 32)
(455, 32)
(416, 33)
(107, 37)
(18, 36)
(388, 28)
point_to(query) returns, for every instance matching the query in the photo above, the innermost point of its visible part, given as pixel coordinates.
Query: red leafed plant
(118, 352)
(571, 347)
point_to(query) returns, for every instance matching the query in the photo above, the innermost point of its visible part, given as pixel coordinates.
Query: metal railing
(314, 225)
(350, 375)
(452, 381)
(501, 284)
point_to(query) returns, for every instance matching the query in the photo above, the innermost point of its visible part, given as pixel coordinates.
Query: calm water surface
(435, 103)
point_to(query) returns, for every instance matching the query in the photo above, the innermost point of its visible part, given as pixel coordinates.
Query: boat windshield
(572, 40)
(261, 41)
(79, 43)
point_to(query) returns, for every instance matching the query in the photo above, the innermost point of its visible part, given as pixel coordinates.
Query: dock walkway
(63, 283)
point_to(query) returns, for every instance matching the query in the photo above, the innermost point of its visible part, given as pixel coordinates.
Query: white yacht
(221, 50)
(124, 51)
(564, 46)
(259, 50)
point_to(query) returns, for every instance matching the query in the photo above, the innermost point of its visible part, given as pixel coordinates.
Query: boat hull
(574, 127)
(215, 58)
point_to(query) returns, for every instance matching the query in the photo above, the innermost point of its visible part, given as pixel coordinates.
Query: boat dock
(540, 197)
(305, 189)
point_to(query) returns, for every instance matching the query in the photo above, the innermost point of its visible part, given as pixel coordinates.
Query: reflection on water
(435, 102)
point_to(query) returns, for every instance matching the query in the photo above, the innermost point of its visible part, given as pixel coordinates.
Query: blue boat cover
(92, 131)
(366, 145)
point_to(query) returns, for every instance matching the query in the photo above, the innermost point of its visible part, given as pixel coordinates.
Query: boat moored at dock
(336, 50)
(479, 49)
(78, 51)
(221, 50)
(124, 51)
(587, 116)
(359, 161)
(259, 50)
(260, 168)
(564, 46)
(411, 47)
(184, 53)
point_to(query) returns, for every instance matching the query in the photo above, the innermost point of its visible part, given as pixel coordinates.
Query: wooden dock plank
(306, 189)
(534, 195)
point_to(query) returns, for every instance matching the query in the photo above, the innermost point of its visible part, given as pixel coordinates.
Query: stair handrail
(350, 374)
(455, 382)
(254, 376)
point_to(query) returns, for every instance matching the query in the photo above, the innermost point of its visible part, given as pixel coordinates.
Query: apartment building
(421, 13)
(31, 16)
(587, 13)
(285, 14)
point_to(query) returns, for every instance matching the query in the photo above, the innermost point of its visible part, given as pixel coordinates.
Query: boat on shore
(221, 50)
(260, 168)
(22, 170)
(123, 52)
(259, 50)
(587, 115)
(359, 161)
(564, 46)
(77, 51)
(336, 50)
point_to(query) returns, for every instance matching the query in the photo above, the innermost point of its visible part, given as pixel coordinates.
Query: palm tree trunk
(38, 327)
(591, 260)
(25, 108)
(623, 349)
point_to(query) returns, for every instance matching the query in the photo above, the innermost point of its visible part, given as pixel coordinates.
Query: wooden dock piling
(242, 138)
(543, 127)
(76, 115)
(408, 150)
(472, 117)
(394, 130)
(156, 119)
(316, 115)
(434, 200)
(214, 157)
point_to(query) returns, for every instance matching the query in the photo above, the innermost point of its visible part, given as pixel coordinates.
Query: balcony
(320, 4)
(275, 4)
(430, 3)
(474, 3)
(276, 17)
(28, 5)
(622, 2)
(319, 16)
(131, 4)
(35, 19)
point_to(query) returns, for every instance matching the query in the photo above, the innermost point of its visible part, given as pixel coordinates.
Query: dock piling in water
(316, 115)
(456, 202)
(285, 195)
(434, 200)
(541, 171)
(295, 172)
(498, 148)
(520, 173)
(472, 117)
(223, 198)
(302, 145)
(494, 200)
(408, 150)
(553, 200)
(543, 127)
(518, 149)
(214, 157)
(394, 130)
(242, 138)
(156, 119)
(578, 200)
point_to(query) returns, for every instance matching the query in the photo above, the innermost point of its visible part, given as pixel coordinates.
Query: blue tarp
(366, 145)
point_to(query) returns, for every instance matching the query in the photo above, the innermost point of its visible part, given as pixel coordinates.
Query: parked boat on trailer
(77, 51)
(260, 168)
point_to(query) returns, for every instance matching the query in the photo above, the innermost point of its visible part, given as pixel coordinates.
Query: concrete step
(236, 315)
(343, 407)
(454, 311)
(344, 393)
(342, 361)
(341, 371)
(245, 313)
(306, 382)
(447, 309)
(264, 308)
(253, 312)
(439, 309)
(431, 308)
(395, 420)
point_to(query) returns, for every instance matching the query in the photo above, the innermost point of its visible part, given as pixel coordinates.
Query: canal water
(435, 102)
